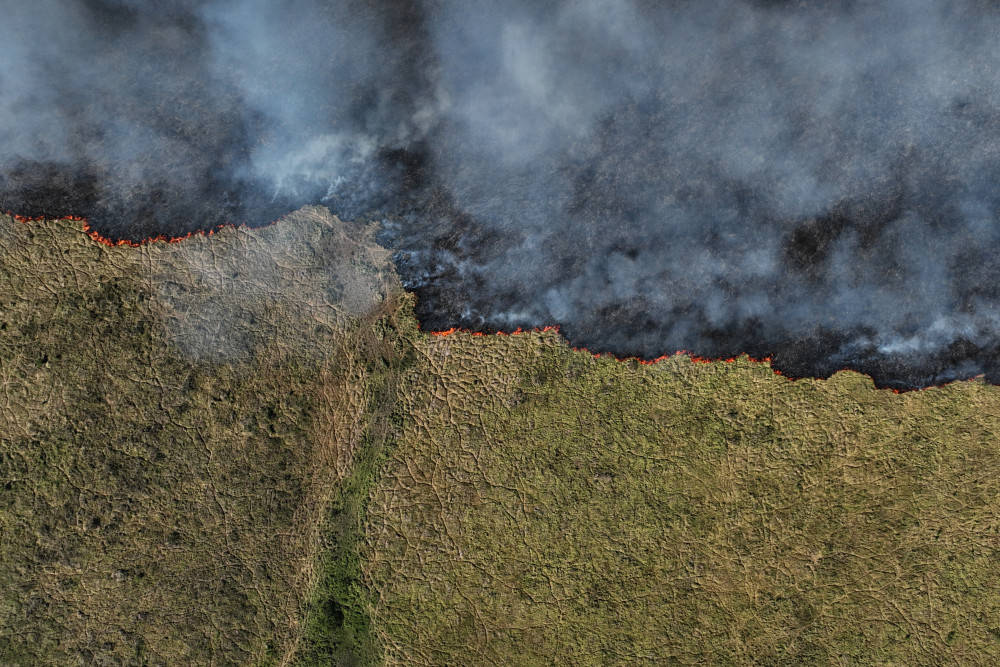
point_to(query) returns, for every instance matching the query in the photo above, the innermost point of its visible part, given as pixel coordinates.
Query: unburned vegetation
(239, 449)
(544, 507)
(175, 419)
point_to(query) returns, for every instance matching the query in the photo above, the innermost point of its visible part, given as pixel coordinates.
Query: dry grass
(544, 507)
(240, 450)
(174, 420)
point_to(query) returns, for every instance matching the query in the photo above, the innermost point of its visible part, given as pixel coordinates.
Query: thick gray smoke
(814, 181)
(163, 117)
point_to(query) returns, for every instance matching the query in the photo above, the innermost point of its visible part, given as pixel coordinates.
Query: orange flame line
(598, 355)
(160, 238)
(111, 243)
(695, 359)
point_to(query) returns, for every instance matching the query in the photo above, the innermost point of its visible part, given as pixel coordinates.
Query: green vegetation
(239, 449)
(337, 624)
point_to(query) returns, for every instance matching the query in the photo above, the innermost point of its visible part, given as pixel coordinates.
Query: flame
(160, 238)
(696, 359)
(598, 355)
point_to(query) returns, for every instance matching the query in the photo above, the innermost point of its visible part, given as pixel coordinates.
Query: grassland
(240, 449)
(175, 419)
(544, 507)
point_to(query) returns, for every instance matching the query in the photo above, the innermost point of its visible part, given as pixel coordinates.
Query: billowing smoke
(165, 117)
(814, 181)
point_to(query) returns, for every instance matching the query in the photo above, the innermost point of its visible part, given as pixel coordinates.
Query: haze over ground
(812, 182)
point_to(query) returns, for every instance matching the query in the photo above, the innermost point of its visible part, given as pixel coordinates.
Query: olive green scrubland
(240, 449)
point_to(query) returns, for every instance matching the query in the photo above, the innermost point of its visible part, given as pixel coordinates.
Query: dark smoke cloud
(172, 116)
(814, 181)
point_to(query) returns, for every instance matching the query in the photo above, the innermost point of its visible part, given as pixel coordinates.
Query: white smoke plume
(813, 181)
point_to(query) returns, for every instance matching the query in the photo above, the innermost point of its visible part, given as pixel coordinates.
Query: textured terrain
(240, 449)
(173, 421)
(545, 507)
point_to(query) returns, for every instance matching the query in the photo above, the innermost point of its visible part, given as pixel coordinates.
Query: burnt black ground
(805, 181)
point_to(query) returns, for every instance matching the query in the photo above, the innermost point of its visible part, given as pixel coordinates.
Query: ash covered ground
(811, 181)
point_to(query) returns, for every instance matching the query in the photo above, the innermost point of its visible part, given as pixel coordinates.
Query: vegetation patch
(337, 627)
(543, 507)
(174, 420)
(239, 449)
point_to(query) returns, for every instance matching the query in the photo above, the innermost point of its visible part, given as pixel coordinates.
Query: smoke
(182, 115)
(812, 181)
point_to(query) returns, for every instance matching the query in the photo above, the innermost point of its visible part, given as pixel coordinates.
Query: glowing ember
(103, 240)
(97, 237)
